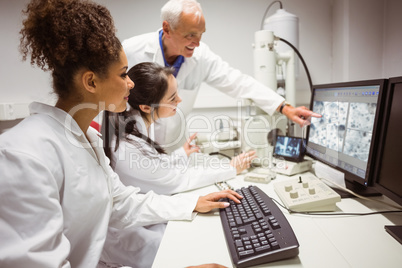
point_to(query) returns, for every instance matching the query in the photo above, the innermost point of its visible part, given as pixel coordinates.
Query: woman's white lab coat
(58, 195)
(139, 164)
(203, 66)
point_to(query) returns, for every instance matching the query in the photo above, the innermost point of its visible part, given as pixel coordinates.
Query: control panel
(307, 193)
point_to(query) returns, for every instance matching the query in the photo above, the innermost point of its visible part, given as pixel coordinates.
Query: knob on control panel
(294, 194)
(288, 187)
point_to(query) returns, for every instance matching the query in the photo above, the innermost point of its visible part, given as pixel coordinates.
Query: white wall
(19, 81)
(358, 39)
(366, 39)
(230, 32)
(392, 49)
(232, 37)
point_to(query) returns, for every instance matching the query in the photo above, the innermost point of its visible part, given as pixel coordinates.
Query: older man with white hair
(178, 44)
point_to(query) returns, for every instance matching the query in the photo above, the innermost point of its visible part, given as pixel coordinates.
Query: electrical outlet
(12, 111)
(6, 111)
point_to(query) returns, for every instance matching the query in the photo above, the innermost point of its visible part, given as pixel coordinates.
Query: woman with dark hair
(58, 193)
(138, 159)
(142, 163)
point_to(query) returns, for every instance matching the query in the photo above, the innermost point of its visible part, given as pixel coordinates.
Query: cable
(301, 58)
(266, 11)
(287, 42)
(336, 214)
(219, 153)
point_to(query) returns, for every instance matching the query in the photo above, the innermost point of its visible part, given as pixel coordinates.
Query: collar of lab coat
(141, 126)
(93, 144)
(57, 114)
(188, 64)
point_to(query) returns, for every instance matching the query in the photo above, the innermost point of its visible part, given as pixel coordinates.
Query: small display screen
(289, 148)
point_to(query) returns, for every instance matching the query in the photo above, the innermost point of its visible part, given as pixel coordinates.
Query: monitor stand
(395, 231)
(358, 189)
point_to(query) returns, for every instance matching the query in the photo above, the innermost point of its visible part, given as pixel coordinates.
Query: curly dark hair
(64, 36)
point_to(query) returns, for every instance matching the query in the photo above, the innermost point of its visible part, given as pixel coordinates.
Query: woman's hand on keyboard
(209, 202)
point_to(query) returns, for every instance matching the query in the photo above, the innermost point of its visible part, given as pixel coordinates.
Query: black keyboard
(256, 230)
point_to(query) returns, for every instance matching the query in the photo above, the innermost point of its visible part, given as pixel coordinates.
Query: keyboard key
(263, 248)
(246, 253)
(239, 243)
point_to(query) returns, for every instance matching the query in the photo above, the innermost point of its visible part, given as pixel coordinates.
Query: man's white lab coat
(203, 66)
(58, 195)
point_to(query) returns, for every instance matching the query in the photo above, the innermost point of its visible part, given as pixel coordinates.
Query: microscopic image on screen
(361, 116)
(344, 127)
(329, 130)
(357, 144)
(318, 125)
(359, 130)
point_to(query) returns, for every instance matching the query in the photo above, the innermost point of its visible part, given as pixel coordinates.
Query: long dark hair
(150, 86)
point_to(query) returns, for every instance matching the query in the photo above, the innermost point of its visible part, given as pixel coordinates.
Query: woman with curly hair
(58, 193)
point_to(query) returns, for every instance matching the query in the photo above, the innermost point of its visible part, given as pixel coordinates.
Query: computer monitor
(346, 136)
(388, 178)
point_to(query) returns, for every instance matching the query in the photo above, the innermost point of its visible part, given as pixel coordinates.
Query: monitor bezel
(380, 152)
(351, 178)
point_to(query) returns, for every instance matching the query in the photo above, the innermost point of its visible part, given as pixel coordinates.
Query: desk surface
(325, 241)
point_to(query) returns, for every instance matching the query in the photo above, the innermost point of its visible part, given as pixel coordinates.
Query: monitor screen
(388, 179)
(289, 148)
(345, 136)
